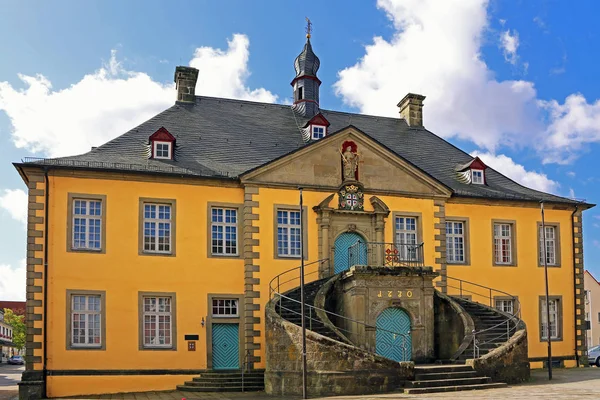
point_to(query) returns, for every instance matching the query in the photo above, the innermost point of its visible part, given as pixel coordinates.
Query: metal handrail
(275, 293)
(515, 317)
(387, 254)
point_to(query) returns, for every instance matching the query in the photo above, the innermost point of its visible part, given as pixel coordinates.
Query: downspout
(46, 211)
(575, 283)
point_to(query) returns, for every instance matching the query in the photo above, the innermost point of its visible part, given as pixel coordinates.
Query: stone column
(251, 269)
(580, 332)
(32, 385)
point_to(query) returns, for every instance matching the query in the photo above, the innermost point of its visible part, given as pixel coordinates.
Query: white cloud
(574, 125)
(13, 282)
(436, 51)
(517, 172)
(510, 44)
(571, 174)
(571, 193)
(112, 100)
(14, 201)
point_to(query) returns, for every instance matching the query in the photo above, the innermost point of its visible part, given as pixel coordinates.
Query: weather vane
(308, 27)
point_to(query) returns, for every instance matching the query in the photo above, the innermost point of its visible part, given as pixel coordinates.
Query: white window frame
(406, 237)
(554, 323)
(480, 178)
(157, 221)
(87, 218)
(313, 133)
(156, 313)
(87, 314)
(155, 150)
(224, 225)
(550, 245)
(287, 236)
(226, 307)
(451, 242)
(499, 239)
(505, 305)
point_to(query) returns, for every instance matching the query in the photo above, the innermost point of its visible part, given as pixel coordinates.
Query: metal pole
(304, 394)
(543, 251)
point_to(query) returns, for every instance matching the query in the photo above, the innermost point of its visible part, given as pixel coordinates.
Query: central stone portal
(388, 300)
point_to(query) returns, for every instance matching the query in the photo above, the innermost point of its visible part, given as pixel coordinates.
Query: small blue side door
(342, 245)
(225, 346)
(389, 343)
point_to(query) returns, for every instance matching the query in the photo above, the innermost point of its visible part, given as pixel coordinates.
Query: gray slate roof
(223, 138)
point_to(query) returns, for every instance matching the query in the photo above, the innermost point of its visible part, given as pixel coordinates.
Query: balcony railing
(386, 254)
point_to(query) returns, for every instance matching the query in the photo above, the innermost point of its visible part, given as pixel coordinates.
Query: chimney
(185, 83)
(411, 109)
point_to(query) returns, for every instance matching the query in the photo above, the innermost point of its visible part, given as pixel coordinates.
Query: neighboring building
(163, 241)
(18, 307)
(592, 308)
(6, 334)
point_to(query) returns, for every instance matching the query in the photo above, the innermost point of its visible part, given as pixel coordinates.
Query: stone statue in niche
(350, 158)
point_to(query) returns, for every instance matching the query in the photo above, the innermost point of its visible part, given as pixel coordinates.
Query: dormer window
(162, 150)
(162, 145)
(477, 177)
(318, 132)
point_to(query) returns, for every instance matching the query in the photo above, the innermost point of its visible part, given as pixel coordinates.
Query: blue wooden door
(389, 344)
(341, 255)
(225, 346)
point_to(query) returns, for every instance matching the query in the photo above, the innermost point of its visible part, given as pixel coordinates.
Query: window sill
(285, 257)
(503, 265)
(211, 255)
(459, 264)
(150, 253)
(158, 348)
(550, 266)
(544, 340)
(93, 348)
(95, 251)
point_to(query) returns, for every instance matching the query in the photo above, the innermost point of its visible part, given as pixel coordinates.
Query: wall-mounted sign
(191, 337)
(191, 346)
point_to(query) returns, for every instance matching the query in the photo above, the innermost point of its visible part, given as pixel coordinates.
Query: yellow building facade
(142, 253)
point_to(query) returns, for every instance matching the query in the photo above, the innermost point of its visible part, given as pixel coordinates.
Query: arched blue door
(388, 343)
(342, 244)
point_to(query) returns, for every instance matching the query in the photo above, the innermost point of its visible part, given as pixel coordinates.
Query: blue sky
(512, 81)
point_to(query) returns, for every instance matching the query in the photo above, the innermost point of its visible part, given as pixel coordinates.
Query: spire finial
(308, 27)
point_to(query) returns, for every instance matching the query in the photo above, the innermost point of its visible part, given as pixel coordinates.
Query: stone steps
(442, 389)
(225, 381)
(448, 378)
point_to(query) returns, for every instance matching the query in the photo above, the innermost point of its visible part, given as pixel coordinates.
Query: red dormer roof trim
(478, 164)
(161, 135)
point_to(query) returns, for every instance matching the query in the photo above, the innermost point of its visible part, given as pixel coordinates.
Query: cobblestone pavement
(10, 375)
(582, 383)
(567, 384)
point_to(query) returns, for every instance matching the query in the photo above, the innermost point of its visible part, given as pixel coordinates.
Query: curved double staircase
(351, 365)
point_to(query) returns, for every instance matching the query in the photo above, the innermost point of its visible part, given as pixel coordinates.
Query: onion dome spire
(306, 83)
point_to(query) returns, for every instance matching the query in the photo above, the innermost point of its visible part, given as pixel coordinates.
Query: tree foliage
(18, 324)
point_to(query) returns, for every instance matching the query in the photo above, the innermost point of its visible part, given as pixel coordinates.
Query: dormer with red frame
(316, 128)
(472, 172)
(162, 145)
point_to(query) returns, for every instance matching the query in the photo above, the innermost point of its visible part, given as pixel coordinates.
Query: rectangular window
(318, 132)
(87, 224)
(503, 236)
(224, 226)
(162, 150)
(86, 321)
(506, 305)
(157, 228)
(225, 308)
(455, 242)
(288, 233)
(477, 176)
(555, 322)
(406, 238)
(157, 321)
(549, 250)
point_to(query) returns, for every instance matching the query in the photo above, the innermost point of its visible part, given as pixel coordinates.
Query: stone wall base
(332, 383)
(32, 386)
